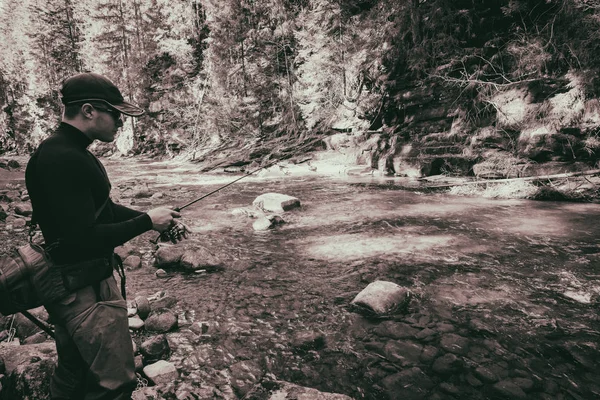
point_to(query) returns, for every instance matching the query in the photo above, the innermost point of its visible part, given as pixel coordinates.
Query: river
(513, 283)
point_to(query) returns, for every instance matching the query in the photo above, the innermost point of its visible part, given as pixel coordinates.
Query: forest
(217, 74)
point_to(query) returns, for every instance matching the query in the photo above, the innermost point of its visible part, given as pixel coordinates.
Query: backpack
(29, 278)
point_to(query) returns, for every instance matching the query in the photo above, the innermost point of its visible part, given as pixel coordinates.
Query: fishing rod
(176, 231)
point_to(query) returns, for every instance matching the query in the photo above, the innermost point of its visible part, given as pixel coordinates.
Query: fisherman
(70, 194)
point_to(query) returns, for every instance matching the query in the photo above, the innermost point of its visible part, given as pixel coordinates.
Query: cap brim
(128, 109)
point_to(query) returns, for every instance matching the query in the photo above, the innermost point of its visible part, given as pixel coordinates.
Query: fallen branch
(527, 178)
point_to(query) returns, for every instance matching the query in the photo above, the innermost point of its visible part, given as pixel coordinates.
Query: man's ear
(87, 110)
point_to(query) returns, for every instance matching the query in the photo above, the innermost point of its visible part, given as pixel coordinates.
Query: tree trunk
(415, 19)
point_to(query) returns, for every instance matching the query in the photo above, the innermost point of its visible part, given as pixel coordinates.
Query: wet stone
(426, 335)
(494, 346)
(473, 381)
(509, 390)
(407, 384)
(524, 383)
(308, 341)
(395, 330)
(485, 375)
(429, 354)
(454, 343)
(449, 388)
(447, 364)
(445, 327)
(406, 353)
(479, 327)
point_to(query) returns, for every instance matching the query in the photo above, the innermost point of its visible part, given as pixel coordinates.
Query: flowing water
(519, 279)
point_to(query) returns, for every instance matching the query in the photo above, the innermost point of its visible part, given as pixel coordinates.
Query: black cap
(93, 87)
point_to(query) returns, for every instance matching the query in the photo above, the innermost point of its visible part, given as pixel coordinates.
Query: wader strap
(38, 323)
(121, 272)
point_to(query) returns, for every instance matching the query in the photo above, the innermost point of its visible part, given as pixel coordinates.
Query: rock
(145, 393)
(161, 273)
(168, 256)
(143, 307)
(408, 384)
(161, 322)
(156, 348)
(381, 298)
(454, 343)
(276, 202)
(124, 251)
(199, 258)
(158, 195)
(310, 340)
(161, 372)
(447, 364)
(280, 390)
(163, 302)
(509, 390)
(142, 194)
(12, 195)
(36, 338)
(403, 352)
(27, 370)
(395, 330)
(244, 375)
(136, 323)
(261, 224)
(3, 212)
(23, 209)
(139, 363)
(19, 223)
(429, 354)
(13, 164)
(485, 375)
(133, 262)
(24, 327)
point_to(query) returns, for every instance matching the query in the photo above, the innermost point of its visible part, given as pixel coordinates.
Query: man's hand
(163, 218)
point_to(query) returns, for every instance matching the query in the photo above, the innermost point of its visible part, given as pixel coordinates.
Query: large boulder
(276, 202)
(27, 370)
(168, 256)
(381, 298)
(199, 258)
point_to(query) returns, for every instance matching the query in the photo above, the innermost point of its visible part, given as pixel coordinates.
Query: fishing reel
(176, 233)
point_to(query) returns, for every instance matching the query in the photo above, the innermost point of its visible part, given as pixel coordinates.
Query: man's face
(106, 123)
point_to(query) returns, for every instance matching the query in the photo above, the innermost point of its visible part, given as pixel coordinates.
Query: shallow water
(526, 270)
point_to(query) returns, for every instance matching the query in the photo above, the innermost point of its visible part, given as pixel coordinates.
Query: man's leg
(97, 326)
(105, 345)
(68, 381)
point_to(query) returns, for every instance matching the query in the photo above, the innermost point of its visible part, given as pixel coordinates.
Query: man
(69, 191)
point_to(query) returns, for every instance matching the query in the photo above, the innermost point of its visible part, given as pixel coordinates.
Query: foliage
(229, 73)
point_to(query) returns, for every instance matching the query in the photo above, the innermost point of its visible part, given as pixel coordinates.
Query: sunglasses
(114, 113)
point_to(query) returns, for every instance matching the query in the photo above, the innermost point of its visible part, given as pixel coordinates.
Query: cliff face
(539, 127)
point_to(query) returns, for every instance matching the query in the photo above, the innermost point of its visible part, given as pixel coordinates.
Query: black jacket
(67, 185)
